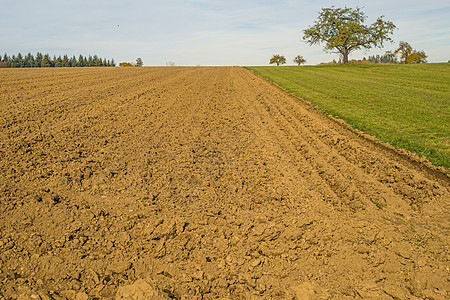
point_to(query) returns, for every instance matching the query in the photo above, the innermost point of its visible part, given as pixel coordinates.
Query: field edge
(420, 162)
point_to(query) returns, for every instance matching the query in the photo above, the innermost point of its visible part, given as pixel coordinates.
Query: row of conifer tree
(45, 60)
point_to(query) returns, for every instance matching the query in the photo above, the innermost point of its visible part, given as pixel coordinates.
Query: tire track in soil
(199, 183)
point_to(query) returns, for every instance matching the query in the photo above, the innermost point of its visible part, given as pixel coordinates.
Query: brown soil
(204, 183)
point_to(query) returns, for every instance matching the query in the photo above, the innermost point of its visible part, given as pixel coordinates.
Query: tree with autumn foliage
(408, 55)
(342, 30)
(125, 64)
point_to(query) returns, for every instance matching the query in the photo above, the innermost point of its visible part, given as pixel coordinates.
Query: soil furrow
(365, 161)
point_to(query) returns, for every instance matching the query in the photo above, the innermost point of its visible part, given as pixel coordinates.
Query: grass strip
(407, 106)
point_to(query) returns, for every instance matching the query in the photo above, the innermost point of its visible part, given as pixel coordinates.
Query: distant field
(405, 105)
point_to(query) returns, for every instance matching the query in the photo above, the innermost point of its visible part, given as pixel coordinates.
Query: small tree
(390, 57)
(277, 59)
(405, 50)
(408, 55)
(19, 63)
(73, 61)
(80, 61)
(299, 60)
(342, 29)
(38, 60)
(422, 57)
(29, 61)
(97, 61)
(58, 62)
(65, 61)
(46, 61)
(91, 62)
(139, 62)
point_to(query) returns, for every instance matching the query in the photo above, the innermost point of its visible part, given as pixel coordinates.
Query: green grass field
(405, 105)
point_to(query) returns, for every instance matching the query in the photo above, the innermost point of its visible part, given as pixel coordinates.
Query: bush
(125, 64)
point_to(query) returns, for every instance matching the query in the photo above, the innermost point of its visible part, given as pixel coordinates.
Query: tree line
(45, 60)
(407, 55)
(387, 58)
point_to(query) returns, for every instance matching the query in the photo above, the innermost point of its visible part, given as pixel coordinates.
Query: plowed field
(205, 183)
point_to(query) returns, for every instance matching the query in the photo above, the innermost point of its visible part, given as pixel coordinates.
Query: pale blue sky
(201, 32)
